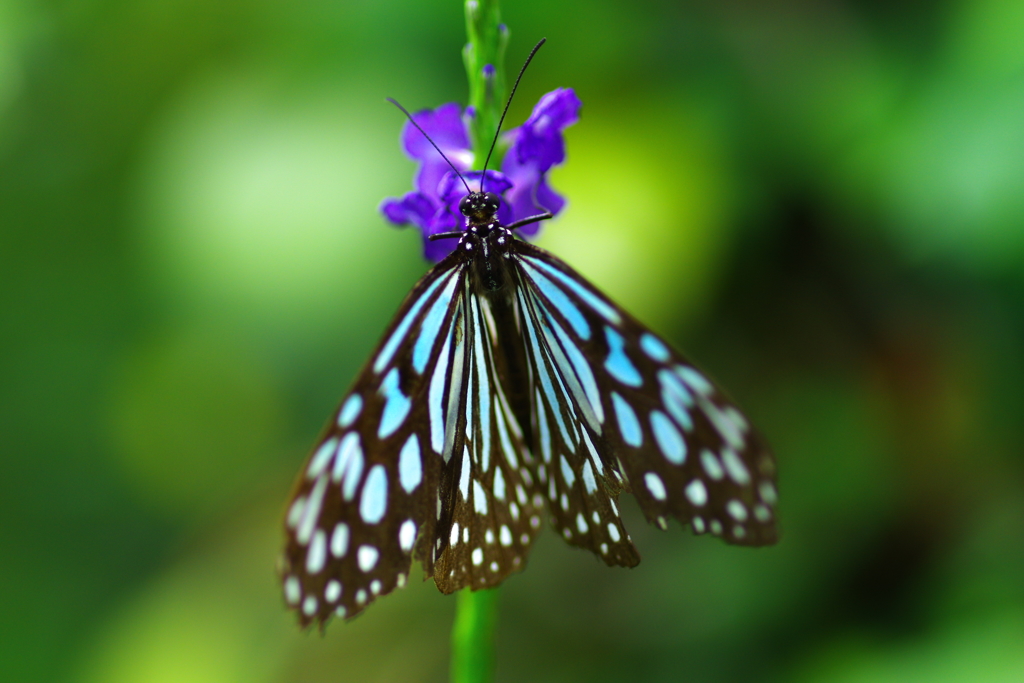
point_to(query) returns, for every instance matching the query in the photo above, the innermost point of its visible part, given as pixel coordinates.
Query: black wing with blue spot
(364, 503)
(615, 407)
(477, 408)
(425, 458)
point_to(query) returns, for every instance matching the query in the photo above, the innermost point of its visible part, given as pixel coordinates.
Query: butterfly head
(480, 208)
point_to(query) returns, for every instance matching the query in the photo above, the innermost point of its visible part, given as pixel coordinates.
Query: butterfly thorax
(486, 244)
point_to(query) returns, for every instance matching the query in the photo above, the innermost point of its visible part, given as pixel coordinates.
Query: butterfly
(508, 390)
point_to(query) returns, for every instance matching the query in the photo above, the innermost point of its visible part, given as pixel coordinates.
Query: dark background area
(820, 202)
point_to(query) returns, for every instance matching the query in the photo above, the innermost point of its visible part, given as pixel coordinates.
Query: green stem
(476, 611)
(473, 636)
(488, 38)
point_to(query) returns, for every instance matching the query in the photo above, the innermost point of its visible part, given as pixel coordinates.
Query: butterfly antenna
(413, 121)
(483, 173)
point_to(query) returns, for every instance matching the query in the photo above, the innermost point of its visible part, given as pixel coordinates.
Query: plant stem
(473, 636)
(484, 57)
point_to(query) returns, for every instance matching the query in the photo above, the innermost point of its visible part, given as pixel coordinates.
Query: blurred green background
(821, 202)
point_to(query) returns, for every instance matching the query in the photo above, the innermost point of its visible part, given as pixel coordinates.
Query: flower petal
(539, 140)
(414, 208)
(534, 148)
(446, 128)
(451, 189)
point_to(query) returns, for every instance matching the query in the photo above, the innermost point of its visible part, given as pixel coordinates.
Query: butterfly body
(506, 390)
(485, 244)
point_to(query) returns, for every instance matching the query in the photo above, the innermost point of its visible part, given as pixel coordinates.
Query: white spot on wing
(697, 492)
(654, 347)
(618, 363)
(655, 485)
(339, 540)
(316, 554)
(737, 510)
(309, 605)
(435, 398)
(762, 513)
(567, 474)
(312, 511)
(479, 498)
(670, 441)
(676, 398)
(629, 426)
(350, 410)
(407, 535)
(410, 464)
(348, 466)
(292, 590)
(545, 429)
(735, 467)
(464, 475)
(367, 557)
(374, 501)
(589, 482)
(711, 465)
(295, 511)
(321, 458)
(694, 379)
(396, 405)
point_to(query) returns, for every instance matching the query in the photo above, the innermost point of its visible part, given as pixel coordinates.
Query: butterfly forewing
(684, 448)
(368, 490)
(581, 486)
(425, 457)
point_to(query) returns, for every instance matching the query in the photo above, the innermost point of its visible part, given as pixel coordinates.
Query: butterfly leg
(446, 235)
(530, 219)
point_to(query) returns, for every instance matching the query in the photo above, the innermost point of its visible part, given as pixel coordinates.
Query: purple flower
(533, 149)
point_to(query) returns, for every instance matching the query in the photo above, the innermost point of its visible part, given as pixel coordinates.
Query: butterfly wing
(612, 396)
(367, 492)
(425, 458)
(488, 511)
(429, 455)
(581, 483)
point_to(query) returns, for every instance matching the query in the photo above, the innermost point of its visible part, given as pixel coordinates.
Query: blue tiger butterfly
(507, 389)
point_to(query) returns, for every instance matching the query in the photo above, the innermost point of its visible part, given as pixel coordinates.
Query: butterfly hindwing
(488, 508)
(684, 449)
